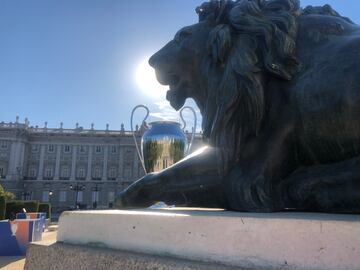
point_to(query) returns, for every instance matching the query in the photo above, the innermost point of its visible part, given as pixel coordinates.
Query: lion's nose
(152, 60)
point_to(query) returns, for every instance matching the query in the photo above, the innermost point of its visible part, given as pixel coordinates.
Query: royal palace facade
(79, 167)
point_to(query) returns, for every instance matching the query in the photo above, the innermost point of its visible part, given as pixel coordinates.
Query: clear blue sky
(74, 60)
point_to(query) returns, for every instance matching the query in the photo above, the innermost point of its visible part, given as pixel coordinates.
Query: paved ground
(18, 262)
(12, 263)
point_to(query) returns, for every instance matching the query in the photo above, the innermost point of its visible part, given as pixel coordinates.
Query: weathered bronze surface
(279, 90)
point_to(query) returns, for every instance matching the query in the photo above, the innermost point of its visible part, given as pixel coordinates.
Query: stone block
(247, 240)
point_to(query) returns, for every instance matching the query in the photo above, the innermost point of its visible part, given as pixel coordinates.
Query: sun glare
(146, 80)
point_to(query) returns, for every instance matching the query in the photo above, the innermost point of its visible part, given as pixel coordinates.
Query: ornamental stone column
(57, 163)
(41, 163)
(73, 163)
(16, 160)
(121, 163)
(89, 163)
(105, 163)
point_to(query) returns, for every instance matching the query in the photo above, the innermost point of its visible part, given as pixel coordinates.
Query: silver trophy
(164, 142)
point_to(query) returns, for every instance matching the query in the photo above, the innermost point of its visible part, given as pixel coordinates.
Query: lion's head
(224, 61)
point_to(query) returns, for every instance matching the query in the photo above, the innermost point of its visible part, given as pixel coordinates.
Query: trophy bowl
(164, 143)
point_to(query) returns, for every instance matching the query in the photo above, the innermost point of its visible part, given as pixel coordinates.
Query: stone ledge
(249, 240)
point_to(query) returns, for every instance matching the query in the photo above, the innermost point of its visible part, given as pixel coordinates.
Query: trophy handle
(133, 133)
(184, 123)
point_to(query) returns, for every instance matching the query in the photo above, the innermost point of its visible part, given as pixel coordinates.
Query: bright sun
(146, 80)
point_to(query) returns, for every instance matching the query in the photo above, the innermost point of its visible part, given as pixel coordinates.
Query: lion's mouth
(176, 94)
(176, 99)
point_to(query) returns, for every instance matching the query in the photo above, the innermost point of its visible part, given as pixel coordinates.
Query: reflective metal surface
(163, 145)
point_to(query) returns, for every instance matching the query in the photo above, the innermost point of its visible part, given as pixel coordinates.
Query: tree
(9, 196)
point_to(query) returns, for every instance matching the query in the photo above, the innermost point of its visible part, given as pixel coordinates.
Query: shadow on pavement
(12, 262)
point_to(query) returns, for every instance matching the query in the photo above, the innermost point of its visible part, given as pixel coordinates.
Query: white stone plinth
(269, 241)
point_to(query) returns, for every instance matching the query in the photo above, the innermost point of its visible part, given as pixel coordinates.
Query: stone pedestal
(216, 238)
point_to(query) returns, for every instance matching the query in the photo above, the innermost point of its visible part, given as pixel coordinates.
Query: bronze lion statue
(278, 87)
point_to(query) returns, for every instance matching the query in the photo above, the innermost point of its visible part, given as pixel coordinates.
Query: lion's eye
(181, 35)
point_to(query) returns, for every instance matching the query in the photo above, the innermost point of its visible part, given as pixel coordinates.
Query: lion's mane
(250, 40)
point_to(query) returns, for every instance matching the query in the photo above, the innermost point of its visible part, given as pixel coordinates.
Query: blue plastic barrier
(16, 235)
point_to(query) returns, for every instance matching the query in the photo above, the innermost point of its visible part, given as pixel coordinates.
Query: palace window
(79, 196)
(48, 172)
(65, 172)
(34, 148)
(67, 149)
(4, 144)
(81, 173)
(45, 195)
(97, 172)
(111, 196)
(112, 173)
(62, 195)
(2, 172)
(98, 149)
(82, 149)
(95, 196)
(32, 172)
(51, 148)
(113, 149)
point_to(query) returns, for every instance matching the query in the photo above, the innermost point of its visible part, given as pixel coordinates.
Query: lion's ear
(219, 43)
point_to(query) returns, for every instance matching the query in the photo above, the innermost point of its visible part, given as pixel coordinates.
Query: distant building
(58, 165)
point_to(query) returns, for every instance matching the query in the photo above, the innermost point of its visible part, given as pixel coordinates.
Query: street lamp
(50, 195)
(96, 189)
(77, 188)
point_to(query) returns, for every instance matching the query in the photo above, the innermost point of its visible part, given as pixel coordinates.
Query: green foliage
(2, 207)
(31, 206)
(8, 195)
(45, 207)
(17, 206)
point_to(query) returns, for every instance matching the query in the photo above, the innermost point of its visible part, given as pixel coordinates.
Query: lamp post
(50, 195)
(77, 188)
(96, 189)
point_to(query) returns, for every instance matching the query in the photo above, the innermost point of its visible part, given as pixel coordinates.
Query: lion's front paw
(137, 195)
(261, 195)
(122, 201)
(132, 197)
(248, 193)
